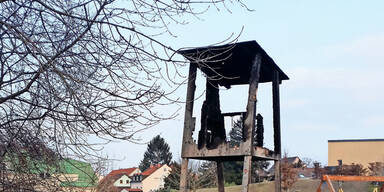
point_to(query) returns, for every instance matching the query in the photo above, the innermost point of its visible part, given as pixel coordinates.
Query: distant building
(124, 180)
(297, 165)
(79, 176)
(357, 151)
(63, 175)
(118, 180)
(295, 161)
(153, 177)
(125, 177)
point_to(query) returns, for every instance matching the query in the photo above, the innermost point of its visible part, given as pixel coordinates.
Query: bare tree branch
(71, 70)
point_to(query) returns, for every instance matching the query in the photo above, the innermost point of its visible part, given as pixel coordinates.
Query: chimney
(340, 162)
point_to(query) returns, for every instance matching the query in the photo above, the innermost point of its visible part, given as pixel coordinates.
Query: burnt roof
(231, 64)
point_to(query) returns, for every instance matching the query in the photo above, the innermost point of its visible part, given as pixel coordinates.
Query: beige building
(362, 151)
(153, 177)
(133, 180)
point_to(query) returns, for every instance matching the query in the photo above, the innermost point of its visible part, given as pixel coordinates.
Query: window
(121, 181)
(127, 181)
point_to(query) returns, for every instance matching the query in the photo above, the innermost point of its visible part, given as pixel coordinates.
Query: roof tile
(151, 169)
(122, 171)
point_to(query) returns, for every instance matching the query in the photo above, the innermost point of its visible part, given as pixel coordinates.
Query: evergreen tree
(236, 133)
(233, 172)
(234, 169)
(157, 153)
(206, 175)
(173, 179)
(200, 176)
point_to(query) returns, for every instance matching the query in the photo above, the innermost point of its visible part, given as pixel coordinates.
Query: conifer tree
(157, 153)
(233, 169)
(199, 176)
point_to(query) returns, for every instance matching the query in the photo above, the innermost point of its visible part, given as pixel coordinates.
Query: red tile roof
(134, 190)
(131, 189)
(122, 171)
(151, 169)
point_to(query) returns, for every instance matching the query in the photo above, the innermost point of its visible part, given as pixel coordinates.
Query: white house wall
(123, 181)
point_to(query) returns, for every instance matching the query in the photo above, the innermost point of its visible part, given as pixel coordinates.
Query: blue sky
(331, 50)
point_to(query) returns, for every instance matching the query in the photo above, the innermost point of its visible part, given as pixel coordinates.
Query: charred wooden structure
(226, 66)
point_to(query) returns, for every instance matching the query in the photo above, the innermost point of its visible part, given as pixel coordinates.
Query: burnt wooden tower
(228, 65)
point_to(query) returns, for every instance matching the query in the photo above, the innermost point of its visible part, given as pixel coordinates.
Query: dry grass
(305, 185)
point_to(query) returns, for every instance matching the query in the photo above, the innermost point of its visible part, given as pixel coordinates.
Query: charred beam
(259, 131)
(212, 131)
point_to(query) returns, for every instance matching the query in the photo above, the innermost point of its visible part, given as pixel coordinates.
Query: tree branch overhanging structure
(74, 69)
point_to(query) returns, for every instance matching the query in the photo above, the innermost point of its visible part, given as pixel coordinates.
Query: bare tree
(353, 169)
(74, 69)
(376, 169)
(308, 162)
(288, 173)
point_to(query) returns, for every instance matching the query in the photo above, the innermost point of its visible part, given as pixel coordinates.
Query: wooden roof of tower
(227, 65)
(230, 64)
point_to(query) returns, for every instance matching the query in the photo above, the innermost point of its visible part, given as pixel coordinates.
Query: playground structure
(329, 178)
(226, 66)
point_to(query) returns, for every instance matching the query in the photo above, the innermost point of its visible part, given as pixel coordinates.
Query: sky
(331, 50)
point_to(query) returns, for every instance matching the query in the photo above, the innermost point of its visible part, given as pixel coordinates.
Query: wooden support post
(188, 126)
(220, 176)
(249, 123)
(276, 127)
(188, 119)
(184, 175)
(246, 173)
(277, 176)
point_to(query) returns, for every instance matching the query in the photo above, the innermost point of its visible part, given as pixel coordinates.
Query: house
(132, 180)
(125, 176)
(355, 151)
(77, 176)
(118, 180)
(294, 161)
(151, 179)
(298, 167)
(62, 175)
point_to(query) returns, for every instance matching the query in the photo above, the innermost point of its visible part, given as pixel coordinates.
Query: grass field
(305, 185)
